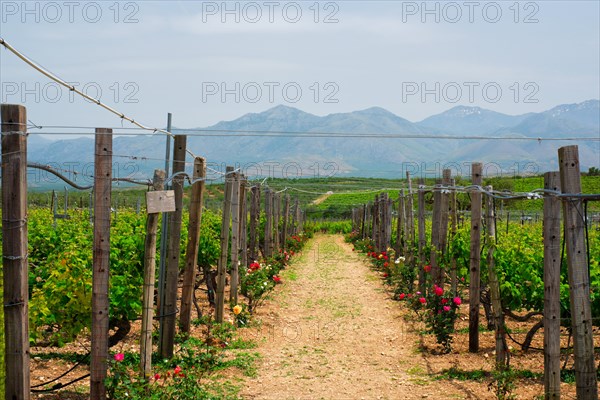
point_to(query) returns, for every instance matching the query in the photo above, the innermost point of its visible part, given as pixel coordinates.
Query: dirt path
(333, 333)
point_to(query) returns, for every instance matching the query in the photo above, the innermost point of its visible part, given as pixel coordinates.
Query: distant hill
(289, 152)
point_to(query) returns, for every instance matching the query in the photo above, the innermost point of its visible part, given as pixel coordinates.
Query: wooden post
(101, 262)
(375, 223)
(149, 278)
(410, 223)
(298, 222)
(235, 239)
(191, 253)
(453, 231)
(578, 272)
(14, 251)
(443, 228)
(388, 221)
(475, 258)
(168, 320)
(268, 249)
(254, 222)
(276, 218)
(422, 236)
(286, 216)
(436, 252)
(243, 223)
(501, 347)
(400, 235)
(222, 265)
(552, 260)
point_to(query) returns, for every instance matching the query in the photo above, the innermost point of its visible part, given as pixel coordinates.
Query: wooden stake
(235, 239)
(268, 247)
(422, 235)
(286, 216)
(552, 260)
(222, 266)
(149, 279)
(168, 320)
(475, 259)
(243, 223)
(501, 347)
(436, 252)
(453, 231)
(191, 253)
(14, 251)
(101, 262)
(579, 283)
(254, 222)
(276, 220)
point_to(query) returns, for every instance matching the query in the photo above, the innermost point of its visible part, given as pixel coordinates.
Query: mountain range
(287, 142)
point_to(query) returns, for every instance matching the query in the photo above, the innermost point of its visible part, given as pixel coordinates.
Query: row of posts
(15, 261)
(373, 221)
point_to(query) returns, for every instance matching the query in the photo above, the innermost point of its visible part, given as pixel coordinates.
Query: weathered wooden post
(101, 262)
(235, 239)
(578, 272)
(500, 330)
(436, 254)
(222, 265)
(191, 253)
(552, 260)
(254, 222)
(14, 251)
(169, 318)
(149, 278)
(243, 222)
(410, 223)
(268, 246)
(276, 219)
(422, 235)
(453, 232)
(286, 216)
(475, 258)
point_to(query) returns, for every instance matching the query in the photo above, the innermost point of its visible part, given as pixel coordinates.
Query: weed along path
(331, 332)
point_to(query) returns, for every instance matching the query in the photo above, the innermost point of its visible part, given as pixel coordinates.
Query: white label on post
(160, 201)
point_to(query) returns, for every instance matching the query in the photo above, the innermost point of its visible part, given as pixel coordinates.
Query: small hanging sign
(160, 201)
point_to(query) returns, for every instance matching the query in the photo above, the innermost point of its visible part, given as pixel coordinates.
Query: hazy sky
(212, 61)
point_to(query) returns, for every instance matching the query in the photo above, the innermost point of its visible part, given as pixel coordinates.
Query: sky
(209, 61)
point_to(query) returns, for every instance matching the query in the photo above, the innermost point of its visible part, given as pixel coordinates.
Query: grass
(480, 375)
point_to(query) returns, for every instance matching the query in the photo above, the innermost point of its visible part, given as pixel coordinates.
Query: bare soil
(334, 332)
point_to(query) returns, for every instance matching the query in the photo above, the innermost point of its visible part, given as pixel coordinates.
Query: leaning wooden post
(101, 262)
(475, 258)
(235, 239)
(222, 265)
(14, 252)
(149, 278)
(501, 347)
(169, 319)
(422, 235)
(578, 272)
(268, 249)
(191, 253)
(552, 261)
